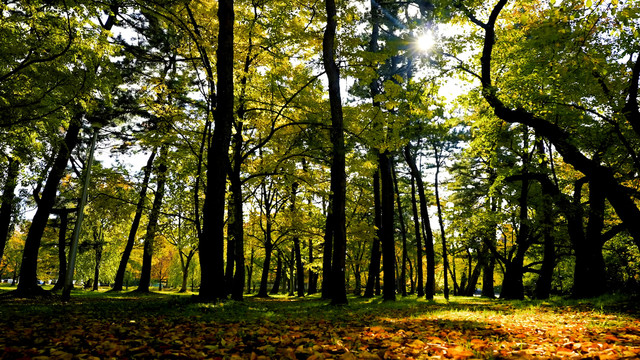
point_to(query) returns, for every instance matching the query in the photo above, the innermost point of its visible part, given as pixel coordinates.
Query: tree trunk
(416, 224)
(487, 278)
(237, 225)
(96, 270)
(152, 226)
(543, 286)
(403, 233)
(28, 285)
(62, 243)
(186, 263)
(268, 249)
(6, 209)
(338, 175)
(275, 289)
(388, 243)
(445, 259)
(122, 268)
(374, 263)
(327, 251)
(211, 246)
(250, 272)
(590, 274)
(313, 277)
(512, 286)
(426, 226)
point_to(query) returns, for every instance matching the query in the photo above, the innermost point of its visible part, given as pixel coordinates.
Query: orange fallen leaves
(379, 334)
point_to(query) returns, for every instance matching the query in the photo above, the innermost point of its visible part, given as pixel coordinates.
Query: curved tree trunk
(28, 285)
(122, 268)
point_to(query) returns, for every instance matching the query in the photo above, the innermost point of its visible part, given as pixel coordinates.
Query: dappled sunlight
(161, 325)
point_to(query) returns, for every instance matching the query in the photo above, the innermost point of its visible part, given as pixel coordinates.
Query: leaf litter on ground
(166, 326)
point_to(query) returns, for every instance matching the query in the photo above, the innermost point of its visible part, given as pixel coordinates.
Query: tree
(338, 175)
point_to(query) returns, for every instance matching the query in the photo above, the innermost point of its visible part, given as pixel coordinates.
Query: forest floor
(166, 325)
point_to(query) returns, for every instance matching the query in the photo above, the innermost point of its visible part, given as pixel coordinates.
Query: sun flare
(425, 41)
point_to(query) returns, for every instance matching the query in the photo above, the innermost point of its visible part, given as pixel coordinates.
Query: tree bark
(211, 248)
(8, 198)
(426, 226)
(327, 251)
(313, 277)
(28, 285)
(122, 268)
(445, 260)
(237, 225)
(416, 224)
(403, 233)
(374, 263)
(275, 289)
(338, 175)
(152, 226)
(590, 278)
(387, 240)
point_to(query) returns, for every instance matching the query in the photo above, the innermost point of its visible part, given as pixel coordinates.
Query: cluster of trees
(318, 146)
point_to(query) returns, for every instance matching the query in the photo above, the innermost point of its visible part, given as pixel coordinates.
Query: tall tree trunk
(28, 285)
(543, 285)
(374, 263)
(403, 233)
(338, 175)
(211, 246)
(313, 277)
(426, 226)
(445, 258)
(8, 196)
(122, 268)
(62, 256)
(416, 224)
(185, 260)
(590, 274)
(275, 289)
(250, 271)
(327, 251)
(152, 226)
(96, 271)
(512, 285)
(296, 244)
(487, 278)
(268, 249)
(237, 225)
(388, 243)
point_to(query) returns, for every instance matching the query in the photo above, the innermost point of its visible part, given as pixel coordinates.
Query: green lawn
(161, 325)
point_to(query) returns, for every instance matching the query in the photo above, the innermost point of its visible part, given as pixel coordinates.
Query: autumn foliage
(167, 326)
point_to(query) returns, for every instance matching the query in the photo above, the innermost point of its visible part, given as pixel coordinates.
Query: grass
(161, 324)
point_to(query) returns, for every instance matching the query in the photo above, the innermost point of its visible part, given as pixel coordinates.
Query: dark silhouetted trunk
(387, 240)
(426, 226)
(590, 274)
(416, 224)
(8, 198)
(62, 244)
(28, 285)
(327, 251)
(445, 258)
(374, 263)
(211, 248)
(237, 223)
(338, 175)
(276, 282)
(152, 226)
(403, 232)
(124, 260)
(313, 277)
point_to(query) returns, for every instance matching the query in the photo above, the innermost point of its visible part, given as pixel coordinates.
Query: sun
(425, 41)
